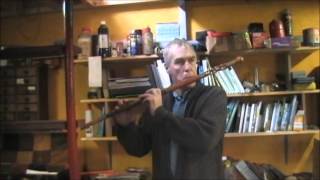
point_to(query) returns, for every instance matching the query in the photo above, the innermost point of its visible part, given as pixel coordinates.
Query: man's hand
(154, 98)
(129, 116)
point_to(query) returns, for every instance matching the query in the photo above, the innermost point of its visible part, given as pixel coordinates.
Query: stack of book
(302, 82)
(126, 87)
(227, 78)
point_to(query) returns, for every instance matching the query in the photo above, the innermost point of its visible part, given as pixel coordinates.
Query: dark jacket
(199, 136)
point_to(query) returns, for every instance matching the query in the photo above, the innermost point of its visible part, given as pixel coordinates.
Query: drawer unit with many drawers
(23, 92)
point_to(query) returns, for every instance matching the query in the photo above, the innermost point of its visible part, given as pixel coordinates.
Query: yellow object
(300, 87)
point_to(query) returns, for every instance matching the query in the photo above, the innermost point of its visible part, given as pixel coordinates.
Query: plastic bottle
(287, 22)
(147, 38)
(84, 42)
(133, 43)
(103, 40)
(138, 33)
(88, 119)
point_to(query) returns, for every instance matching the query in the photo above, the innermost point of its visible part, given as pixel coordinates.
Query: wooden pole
(73, 152)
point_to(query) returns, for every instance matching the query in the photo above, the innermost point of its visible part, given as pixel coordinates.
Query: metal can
(311, 37)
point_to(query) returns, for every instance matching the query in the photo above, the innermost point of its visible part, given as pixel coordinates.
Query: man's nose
(187, 66)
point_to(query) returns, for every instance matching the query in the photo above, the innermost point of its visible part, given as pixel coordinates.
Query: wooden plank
(138, 58)
(227, 135)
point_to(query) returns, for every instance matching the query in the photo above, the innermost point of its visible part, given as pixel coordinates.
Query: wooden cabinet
(24, 92)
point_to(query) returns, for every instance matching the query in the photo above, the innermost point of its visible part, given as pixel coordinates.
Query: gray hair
(176, 42)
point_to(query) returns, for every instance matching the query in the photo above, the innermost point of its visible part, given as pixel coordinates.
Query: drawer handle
(26, 100)
(26, 108)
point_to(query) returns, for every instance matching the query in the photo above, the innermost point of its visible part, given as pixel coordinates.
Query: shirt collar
(183, 95)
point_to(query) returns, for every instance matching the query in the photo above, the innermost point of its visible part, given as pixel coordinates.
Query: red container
(276, 29)
(219, 41)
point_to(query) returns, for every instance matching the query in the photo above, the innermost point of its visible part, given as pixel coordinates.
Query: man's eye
(191, 60)
(179, 61)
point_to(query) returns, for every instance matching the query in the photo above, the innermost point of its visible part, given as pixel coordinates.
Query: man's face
(183, 64)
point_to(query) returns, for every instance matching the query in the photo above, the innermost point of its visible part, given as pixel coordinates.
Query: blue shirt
(179, 107)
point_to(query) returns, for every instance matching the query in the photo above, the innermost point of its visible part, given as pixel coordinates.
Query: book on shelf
(257, 117)
(245, 171)
(163, 74)
(298, 124)
(154, 75)
(285, 117)
(275, 115)
(251, 117)
(267, 116)
(246, 118)
(293, 110)
(242, 114)
(128, 86)
(231, 116)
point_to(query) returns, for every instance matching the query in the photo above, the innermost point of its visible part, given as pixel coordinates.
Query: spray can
(287, 22)
(147, 38)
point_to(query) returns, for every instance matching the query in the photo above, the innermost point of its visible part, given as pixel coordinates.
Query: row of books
(158, 75)
(227, 78)
(244, 117)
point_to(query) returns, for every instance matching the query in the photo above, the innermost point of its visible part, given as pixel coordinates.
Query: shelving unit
(284, 52)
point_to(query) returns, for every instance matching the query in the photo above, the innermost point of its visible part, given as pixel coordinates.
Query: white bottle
(88, 119)
(84, 42)
(147, 41)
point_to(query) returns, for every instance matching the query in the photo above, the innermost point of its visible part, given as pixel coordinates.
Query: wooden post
(73, 152)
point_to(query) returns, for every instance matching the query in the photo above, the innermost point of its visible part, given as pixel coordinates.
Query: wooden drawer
(27, 107)
(7, 116)
(7, 72)
(9, 90)
(5, 108)
(26, 99)
(27, 71)
(31, 89)
(7, 99)
(7, 82)
(25, 116)
(27, 81)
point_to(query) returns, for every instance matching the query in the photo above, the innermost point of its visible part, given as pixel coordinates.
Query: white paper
(36, 172)
(95, 71)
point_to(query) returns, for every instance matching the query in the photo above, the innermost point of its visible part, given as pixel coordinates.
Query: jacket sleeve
(203, 132)
(135, 138)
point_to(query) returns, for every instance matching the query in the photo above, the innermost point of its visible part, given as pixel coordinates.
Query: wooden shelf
(139, 58)
(273, 93)
(303, 49)
(227, 135)
(278, 133)
(112, 138)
